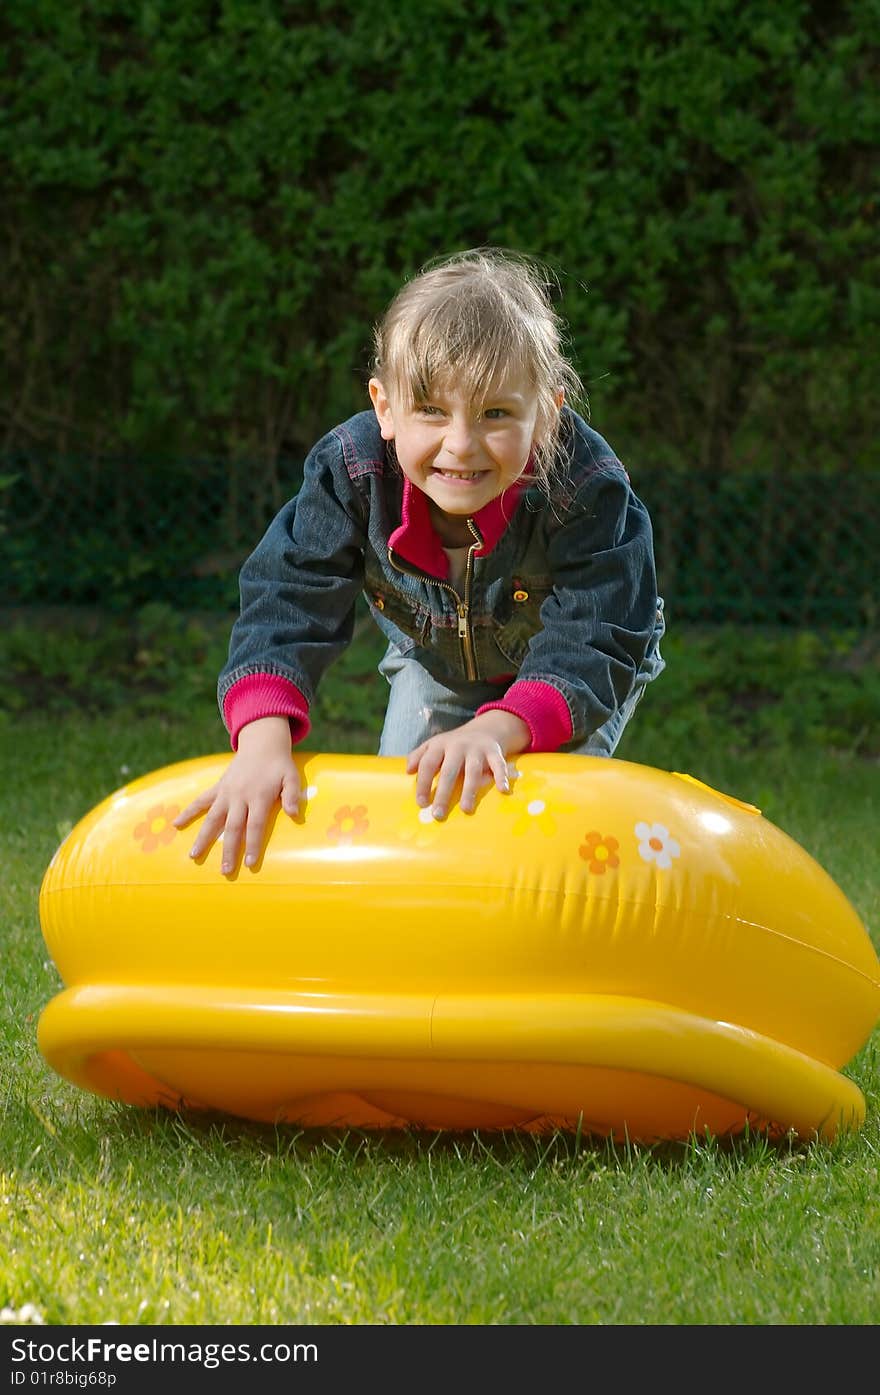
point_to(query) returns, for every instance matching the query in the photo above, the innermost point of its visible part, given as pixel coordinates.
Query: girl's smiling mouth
(466, 476)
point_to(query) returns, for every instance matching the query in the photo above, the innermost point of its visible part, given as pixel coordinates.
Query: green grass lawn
(116, 1214)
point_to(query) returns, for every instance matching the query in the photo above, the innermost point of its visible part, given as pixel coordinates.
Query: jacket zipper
(462, 603)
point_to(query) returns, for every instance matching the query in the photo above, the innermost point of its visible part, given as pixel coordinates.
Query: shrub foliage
(206, 206)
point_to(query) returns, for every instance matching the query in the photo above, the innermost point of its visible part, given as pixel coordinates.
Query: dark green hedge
(205, 205)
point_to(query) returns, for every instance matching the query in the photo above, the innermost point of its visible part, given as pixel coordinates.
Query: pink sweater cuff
(543, 709)
(265, 695)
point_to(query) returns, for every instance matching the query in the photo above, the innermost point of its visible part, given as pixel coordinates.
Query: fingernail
(422, 800)
(226, 867)
(249, 860)
(192, 852)
(437, 813)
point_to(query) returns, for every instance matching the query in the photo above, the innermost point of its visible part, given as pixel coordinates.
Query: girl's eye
(428, 410)
(495, 413)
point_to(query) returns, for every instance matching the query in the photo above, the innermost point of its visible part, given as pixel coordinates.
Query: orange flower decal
(157, 827)
(348, 823)
(600, 853)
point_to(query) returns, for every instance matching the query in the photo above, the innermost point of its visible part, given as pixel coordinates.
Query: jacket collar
(417, 543)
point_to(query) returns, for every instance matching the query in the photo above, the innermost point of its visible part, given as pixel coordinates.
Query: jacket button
(520, 595)
(378, 603)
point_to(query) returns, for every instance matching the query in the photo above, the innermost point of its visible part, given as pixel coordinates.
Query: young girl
(498, 542)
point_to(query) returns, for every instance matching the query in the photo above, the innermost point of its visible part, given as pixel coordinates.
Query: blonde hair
(470, 319)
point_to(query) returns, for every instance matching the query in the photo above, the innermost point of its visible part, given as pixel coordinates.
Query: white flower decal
(655, 844)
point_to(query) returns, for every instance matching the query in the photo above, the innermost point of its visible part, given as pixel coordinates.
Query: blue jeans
(419, 706)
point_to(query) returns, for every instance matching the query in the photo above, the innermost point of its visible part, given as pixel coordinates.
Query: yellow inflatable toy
(609, 948)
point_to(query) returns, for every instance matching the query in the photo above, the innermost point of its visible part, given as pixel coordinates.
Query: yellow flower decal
(599, 853)
(157, 827)
(420, 831)
(532, 810)
(348, 824)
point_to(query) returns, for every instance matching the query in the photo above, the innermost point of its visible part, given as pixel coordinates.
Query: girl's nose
(459, 439)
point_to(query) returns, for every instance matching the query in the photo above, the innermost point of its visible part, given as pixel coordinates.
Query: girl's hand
(238, 806)
(476, 753)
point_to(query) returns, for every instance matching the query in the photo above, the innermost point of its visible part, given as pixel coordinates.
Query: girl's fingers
(209, 831)
(414, 758)
(257, 818)
(474, 767)
(498, 766)
(233, 834)
(429, 764)
(446, 783)
(240, 816)
(290, 794)
(450, 762)
(198, 806)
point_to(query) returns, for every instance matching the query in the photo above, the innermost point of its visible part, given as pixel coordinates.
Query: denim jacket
(559, 601)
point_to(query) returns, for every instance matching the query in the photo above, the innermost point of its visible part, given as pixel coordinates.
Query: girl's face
(460, 455)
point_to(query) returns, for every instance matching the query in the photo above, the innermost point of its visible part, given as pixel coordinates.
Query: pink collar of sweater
(417, 542)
